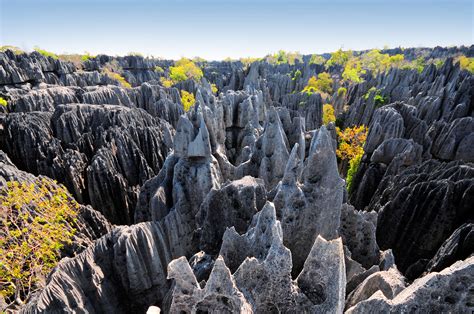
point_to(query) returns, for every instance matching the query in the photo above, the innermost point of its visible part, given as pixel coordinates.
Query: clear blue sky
(215, 29)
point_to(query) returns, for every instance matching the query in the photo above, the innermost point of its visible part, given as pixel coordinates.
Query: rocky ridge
(237, 205)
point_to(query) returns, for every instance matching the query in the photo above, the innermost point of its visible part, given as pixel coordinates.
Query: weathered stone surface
(312, 206)
(220, 295)
(448, 290)
(421, 207)
(121, 272)
(457, 247)
(323, 278)
(233, 205)
(389, 282)
(358, 233)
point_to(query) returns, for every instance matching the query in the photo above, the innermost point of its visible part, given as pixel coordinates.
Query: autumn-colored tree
(351, 148)
(351, 142)
(328, 114)
(36, 221)
(187, 99)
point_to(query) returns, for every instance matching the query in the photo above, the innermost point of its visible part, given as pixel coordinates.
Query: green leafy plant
(322, 84)
(296, 75)
(353, 167)
(35, 224)
(339, 57)
(159, 69)
(316, 59)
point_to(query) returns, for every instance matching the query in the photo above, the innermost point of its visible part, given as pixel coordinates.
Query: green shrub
(353, 71)
(46, 53)
(35, 223)
(159, 69)
(315, 59)
(339, 57)
(86, 56)
(351, 173)
(379, 99)
(296, 75)
(282, 57)
(322, 84)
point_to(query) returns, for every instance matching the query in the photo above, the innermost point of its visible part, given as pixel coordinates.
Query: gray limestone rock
(446, 291)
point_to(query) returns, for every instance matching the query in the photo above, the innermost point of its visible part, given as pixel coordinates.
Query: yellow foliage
(353, 70)
(214, 88)
(185, 69)
(328, 114)
(122, 81)
(166, 82)
(3, 102)
(187, 99)
(35, 223)
(466, 63)
(351, 142)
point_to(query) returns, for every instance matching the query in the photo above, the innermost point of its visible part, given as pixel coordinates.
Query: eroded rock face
(448, 290)
(422, 209)
(234, 204)
(103, 154)
(311, 205)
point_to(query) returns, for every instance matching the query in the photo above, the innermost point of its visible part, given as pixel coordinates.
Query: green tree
(339, 57)
(316, 59)
(322, 84)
